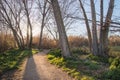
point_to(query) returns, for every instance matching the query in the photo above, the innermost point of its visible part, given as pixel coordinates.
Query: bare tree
(94, 31)
(101, 24)
(87, 25)
(61, 29)
(10, 11)
(103, 44)
(65, 7)
(105, 28)
(53, 31)
(27, 8)
(44, 12)
(99, 46)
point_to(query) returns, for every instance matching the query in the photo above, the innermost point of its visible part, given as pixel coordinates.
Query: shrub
(72, 72)
(70, 65)
(98, 58)
(87, 78)
(110, 60)
(115, 63)
(50, 57)
(11, 59)
(56, 53)
(80, 51)
(92, 65)
(58, 61)
(67, 64)
(112, 74)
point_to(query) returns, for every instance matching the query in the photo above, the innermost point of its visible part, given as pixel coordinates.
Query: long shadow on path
(30, 72)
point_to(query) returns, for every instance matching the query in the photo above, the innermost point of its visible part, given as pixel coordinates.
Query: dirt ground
(37, 68)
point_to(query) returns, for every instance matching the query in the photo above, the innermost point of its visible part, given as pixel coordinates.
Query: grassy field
(12, 59)
(85, 66)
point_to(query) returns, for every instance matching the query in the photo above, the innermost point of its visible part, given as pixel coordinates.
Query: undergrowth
(12, 59)
(69, 65)
(89, 68)
(114, 69)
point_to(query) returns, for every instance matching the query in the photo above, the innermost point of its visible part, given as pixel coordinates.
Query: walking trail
(37, 68)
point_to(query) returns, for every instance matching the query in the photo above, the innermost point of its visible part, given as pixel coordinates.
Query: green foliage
(98, 58)
(56, 58)
(50, 57)
(111, 74)
(80, 51)
(56, 52)
(110, 60)
(34, 51)
(114, 63)
(70, 65)
(87, 78)
(92, 65)
(11, 59)
(114, 70)
(58, 62)
(72, 72)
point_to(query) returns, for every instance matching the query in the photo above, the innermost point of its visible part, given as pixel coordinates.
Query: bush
(112, 74)
(98, 58)
(80, 51)
(11, 59)
(56, 53)
(114, 63)
(92, 65)
(87, 78)
(67, 64)
(50, 57)
(114, 70)
(70, 65)
(58, 61)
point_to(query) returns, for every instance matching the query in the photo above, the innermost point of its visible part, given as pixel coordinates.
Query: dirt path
(38, 68)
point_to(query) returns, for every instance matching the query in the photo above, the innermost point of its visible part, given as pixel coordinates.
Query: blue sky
(80, 28)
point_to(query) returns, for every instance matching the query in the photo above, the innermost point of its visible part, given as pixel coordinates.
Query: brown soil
(37, 68)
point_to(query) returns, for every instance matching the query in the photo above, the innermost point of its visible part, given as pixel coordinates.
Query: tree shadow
(30, 72)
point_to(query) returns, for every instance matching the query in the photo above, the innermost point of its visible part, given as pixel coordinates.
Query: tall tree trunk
(101, 24)
(27, 39)
(20, 32)
(94, 31)
(29, 33)
(30, 42)
(87, 26)
(29, 25)
(22, 40)
(16, 39)
(105, 29)
(43, 23)
(41, 34)
(61, 29)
